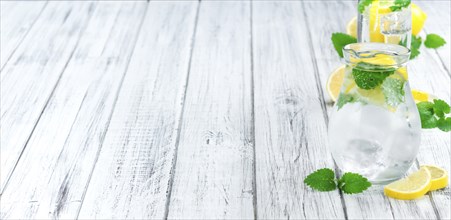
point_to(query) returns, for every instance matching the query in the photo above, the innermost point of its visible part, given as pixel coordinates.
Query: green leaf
(393, 90)
(321, 180)
(415, 46)
(441, 108)
(345, 98)
(444, 124)
(399, 5)
(426, 110)
(340, 40)
(434, 41)
(369, 76)
(428, 123)
(351, 183)
(363, 4)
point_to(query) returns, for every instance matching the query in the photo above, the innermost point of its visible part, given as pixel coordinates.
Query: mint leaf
(426, 110)
(399, 5)
(369, 76)
(321, 180)
(433, 115)
(441, 108)
(340, 40)
(444, 124)
(345, 98)
(351, 183)
(429, 122)
(393, 90)
(415, 46)
(434, 41)
(363, 4)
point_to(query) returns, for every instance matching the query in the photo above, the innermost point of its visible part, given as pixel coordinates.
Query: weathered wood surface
(17, 20)
(33, 71)
(62, 151)
(186, 109)
(288, 142)
(132, 175)
(213, 173)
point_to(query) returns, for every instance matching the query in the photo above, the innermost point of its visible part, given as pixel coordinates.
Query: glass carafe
(374, 127)
(384, 21)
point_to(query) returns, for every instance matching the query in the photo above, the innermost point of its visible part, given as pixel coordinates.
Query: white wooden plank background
(186, 109)
(68, 136)
(287, 143)
(17, 19)
(132, 174)
(213, 173)
(33, 71)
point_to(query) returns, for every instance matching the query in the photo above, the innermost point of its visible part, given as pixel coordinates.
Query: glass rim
(371, 49)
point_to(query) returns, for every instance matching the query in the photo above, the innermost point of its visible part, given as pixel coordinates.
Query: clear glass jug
(384, 21)
(374, 128)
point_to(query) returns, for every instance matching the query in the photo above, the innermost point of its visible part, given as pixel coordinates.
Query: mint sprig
(434, 41)
(415, 46)
(435, 115)
(324, 180)
(363, 4)
(340, 40)
(399, 5)
(351, 183)
(368, 76)
(344, 98)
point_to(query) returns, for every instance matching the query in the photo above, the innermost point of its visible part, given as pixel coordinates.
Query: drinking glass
(374, 128)
(385, 21)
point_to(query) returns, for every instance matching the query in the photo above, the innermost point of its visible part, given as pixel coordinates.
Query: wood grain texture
(16, 19)
(214, 172)
(132, 173)
(373, 204)
(430, 72)
(32, 73)
(290, 129)
(62, 151)
(438, 22)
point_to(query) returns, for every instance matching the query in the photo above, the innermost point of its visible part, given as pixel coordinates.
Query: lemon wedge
(413, 186)
(335, 81)
(351, 27)
(439, 177)
(418, 19)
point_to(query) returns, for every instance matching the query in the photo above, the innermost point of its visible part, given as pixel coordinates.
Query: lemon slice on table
(413, 186)
(439, 177)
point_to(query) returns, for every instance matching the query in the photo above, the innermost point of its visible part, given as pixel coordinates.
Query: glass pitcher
(374, 127)
(384, 21)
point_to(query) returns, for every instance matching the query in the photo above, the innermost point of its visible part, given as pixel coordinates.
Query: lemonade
(385, 21)
(374, 128)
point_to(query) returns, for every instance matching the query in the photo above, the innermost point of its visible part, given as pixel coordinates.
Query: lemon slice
(413, 186)
(351, 27)
(418, 19)
(439, 177)
(376, 11)
(334, 82)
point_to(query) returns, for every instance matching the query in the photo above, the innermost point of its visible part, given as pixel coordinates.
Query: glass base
(384, 181)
